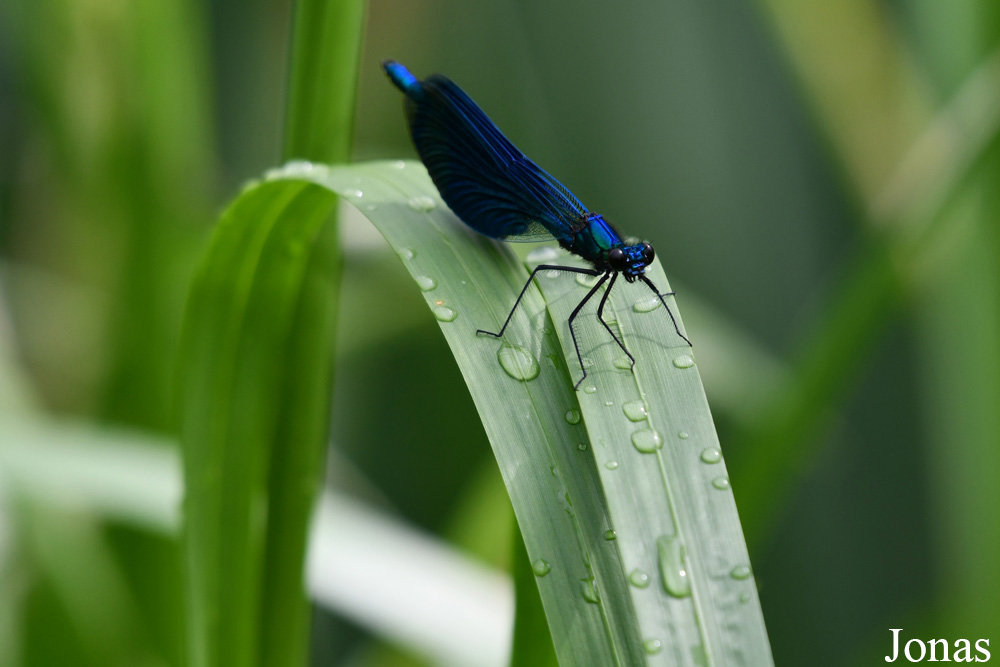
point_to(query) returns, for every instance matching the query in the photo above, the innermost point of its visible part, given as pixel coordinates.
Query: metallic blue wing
(491, 185)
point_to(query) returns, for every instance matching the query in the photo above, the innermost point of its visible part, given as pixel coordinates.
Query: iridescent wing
(491, 185)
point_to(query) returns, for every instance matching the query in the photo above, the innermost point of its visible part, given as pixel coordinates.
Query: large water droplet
(610, 535)
(426, 283)
(542, 255)
(740, 572)
(683, 435)
(444, 313)
(673, 571)
(652, 646)
(636, 411)
(584, 280)
(540, 567)
(589, 389)
(407, 253)
(647, 440)
(646, 305)
(721, 483)
(517, 362)
(684, 361)
(589, 590)
(573, 416)
(422, 203)
(624, 363)
(711, 455)
(611, 465)
(357, 194)
(638, 578)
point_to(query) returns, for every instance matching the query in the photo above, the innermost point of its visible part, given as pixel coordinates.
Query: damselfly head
(631, 260)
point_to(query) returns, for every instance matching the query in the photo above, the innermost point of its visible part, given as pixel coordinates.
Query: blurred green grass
(750, 141)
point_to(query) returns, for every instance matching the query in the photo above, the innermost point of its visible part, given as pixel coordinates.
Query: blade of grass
(248, 515)
(668, 493)
(253, 398)
(555, 471)
(323, 78)
(469, 282)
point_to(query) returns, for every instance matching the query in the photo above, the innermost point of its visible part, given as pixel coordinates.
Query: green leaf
(572, 479)
(323, 78)
(254, 398)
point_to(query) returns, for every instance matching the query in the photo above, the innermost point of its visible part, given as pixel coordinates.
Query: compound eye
(647, 254)
(617, 259)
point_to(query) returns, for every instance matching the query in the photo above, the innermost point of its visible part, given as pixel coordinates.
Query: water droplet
(711, 455)
(611, 465)
(608, 403)
(589, 389)
(610, 535)
(684, 361)
(740, 572)
(407, 253)
(422, 203)
(587, 362)
(589, 590)
(636, 411)
(623, 363)
(357, 194)
(639, 578)
(541, 255)
(646, 305)
(744, 598)
(573, 416)
(647, 440)
(673, 571)
(518, 363)
(683, 435)
(426, 283)
(444, 313)
(552, 274)
(652, 646)
(584, 280)
(582, 446)
(721, 483)
(540, 567)
(398, 164)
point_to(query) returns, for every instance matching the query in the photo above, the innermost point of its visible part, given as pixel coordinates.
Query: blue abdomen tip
(401, 77)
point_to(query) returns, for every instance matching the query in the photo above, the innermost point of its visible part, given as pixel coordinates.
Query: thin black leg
(600, 313)
(572, 333)
(540, 267)
(672, 319)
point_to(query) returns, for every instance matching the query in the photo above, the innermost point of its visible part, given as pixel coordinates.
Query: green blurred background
(820, 182)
